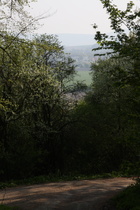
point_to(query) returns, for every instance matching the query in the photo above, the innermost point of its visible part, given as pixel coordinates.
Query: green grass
(3, 207)
(82, 76)
(129, 199)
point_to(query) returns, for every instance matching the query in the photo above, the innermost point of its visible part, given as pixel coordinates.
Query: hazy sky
(73, 16)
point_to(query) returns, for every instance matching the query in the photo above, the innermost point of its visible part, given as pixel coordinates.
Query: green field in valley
(83, 76)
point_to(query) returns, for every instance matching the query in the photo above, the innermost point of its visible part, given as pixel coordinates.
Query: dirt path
(72, 195)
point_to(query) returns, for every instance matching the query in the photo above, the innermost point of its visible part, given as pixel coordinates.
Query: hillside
(80, 46)
(83, 55)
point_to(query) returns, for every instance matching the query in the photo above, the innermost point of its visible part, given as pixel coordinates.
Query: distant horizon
(74, 39)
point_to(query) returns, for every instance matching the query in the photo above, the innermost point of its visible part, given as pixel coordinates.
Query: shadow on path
(71, 195)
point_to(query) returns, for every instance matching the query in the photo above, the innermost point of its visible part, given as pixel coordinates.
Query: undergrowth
(54, 178)
(3, 207)
(128, 199)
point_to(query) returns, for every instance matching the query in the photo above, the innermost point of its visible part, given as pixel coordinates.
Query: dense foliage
(128, 199)
(125, 49)
(33, 109)
(43, 129)
(107, 134)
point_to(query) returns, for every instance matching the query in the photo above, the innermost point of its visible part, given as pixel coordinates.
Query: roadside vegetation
(56, 178)
(3, 207)
(129, 199)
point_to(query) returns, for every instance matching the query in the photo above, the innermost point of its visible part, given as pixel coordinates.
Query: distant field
(83, 76)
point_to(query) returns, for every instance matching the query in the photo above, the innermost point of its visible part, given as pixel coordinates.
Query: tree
(32, 99)
(61, 64)
(17, 152)
(107, 133)
(109, 90)
(126, 41)
(14, 18)
(33, 109)
(123, 84)
(125, 45)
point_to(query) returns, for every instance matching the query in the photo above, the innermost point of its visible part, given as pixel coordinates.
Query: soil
(71, 195)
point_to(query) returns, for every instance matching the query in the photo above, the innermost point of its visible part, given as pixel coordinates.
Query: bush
(129, 199)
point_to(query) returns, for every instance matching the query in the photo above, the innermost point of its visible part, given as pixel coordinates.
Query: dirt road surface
(71, 195)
